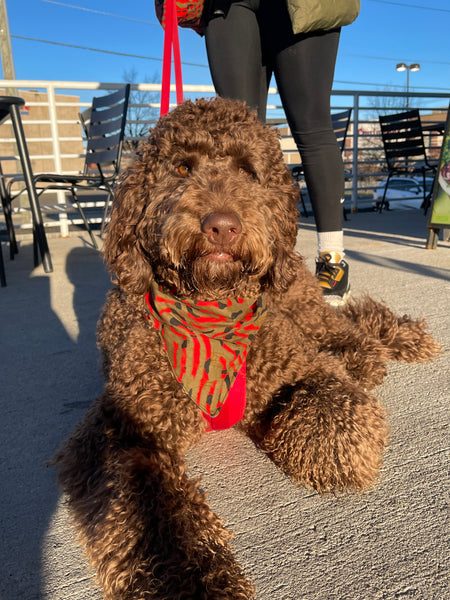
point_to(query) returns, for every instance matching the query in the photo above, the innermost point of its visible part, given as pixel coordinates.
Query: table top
(8, 100)
(5, 104)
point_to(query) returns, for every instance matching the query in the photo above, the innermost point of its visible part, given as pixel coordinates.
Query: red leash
(171, 41)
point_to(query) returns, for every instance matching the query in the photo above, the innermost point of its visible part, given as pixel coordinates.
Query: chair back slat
(110, 99)
(104, 143)
(104, 128)
(401, 118)
(402, 149)
(412, 133)
(103, 157)
(101, 116)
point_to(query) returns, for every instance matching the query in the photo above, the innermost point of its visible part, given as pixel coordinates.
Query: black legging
(247, 41)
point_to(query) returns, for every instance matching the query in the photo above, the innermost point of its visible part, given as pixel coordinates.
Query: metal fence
(52, 107)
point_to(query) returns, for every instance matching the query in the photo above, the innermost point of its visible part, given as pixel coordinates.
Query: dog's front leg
(147, 529)
(325, 431)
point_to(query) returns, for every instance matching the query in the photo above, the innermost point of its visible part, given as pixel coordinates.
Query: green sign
(440, 213)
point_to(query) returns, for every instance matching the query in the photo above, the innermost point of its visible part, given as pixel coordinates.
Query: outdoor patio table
(10, 107)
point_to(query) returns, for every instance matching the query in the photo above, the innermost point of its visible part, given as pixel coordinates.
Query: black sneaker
(332, 273)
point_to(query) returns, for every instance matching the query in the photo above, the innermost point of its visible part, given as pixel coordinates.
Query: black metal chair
(340, 122)
(404, 149)
(104, 126)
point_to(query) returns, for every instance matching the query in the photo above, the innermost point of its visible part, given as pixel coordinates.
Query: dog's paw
(329, 440)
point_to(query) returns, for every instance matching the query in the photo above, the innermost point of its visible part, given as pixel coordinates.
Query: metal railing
(363, 154)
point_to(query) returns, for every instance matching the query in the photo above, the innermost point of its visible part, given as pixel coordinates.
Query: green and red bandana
(206, 341)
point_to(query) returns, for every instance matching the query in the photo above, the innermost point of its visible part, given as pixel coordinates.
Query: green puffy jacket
(313, 15)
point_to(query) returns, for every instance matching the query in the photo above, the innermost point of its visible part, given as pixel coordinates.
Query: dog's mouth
(217, 253)
(219, 256)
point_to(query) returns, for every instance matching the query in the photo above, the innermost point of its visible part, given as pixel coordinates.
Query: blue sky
(384, 34)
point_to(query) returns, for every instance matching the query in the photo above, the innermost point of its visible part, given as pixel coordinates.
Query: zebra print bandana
(206, 342)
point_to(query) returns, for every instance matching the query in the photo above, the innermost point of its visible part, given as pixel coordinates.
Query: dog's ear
(285, 215)
(284, 270)
(122, 251)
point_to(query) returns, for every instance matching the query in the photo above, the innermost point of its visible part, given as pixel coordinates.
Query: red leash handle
(171, 41)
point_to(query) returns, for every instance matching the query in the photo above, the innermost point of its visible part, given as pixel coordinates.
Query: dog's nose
(221, 228)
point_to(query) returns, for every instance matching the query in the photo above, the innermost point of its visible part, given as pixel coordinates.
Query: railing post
(354, 201)
(61, 196)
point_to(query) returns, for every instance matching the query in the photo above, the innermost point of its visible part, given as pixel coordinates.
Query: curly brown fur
(147, 528)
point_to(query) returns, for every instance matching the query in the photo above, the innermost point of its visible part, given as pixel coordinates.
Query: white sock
(331, 241)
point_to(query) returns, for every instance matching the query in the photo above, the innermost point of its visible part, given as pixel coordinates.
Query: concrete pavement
(389, 543)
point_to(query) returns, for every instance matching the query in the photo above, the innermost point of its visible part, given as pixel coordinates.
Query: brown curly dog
(215, 320)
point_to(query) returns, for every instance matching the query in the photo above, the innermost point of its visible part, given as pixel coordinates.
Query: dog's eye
(183, 170)
(244, 172)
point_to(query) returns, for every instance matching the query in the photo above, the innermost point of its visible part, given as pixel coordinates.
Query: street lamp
(407, 68)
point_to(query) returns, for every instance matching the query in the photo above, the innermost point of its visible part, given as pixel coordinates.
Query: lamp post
(407, 68)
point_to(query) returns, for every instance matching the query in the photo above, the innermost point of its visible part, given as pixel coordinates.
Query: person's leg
(233, 45)
(304, 69)
(304, 75)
